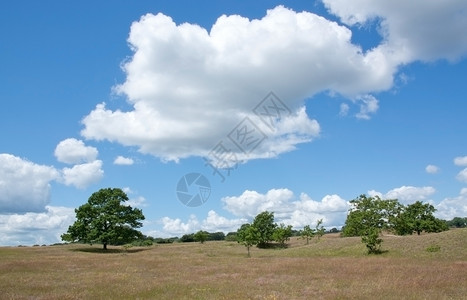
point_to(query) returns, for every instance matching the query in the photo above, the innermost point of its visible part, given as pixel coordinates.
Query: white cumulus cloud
(189, 87)
(73, 151)
(83, 175)
(431, 169)
(296, 212)
(36, 228)
(461, 161)
(120, 160)
(449, 208)
(424, 30)
(462, 175)
(212, 223)
(406, 194)
(24, 185)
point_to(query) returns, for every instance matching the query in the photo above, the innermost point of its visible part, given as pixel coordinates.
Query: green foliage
(457, 222)
(142, 243)
(201, 236)
(231, 237)
(282, 234)
(371, 240)
(265, 226)
(216, 236)
(307, 233)
(418, 217)
(105, 219)
(187, 238)
(248, 236)
(369, 212)
(433, 248)
(368, 216)
(319, 230)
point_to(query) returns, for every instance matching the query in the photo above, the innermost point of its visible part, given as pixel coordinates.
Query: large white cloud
(189, 87)
(83, 175)
(212, 223)
(449, 208)
(406, 194)
(73, 151)
(35, 228)
(287, 209)
(424, 30)
(24, 185)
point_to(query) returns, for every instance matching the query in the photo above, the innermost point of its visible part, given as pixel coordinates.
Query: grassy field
(333, 268)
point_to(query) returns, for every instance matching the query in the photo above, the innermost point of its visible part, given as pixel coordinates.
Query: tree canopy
(105, 219)
(418, 217)
(264, 224)
(370, 215)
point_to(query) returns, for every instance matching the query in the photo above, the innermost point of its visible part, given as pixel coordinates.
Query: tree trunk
(248, 248)
(105, 246)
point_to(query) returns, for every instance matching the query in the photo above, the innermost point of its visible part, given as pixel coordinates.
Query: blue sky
(136, 95)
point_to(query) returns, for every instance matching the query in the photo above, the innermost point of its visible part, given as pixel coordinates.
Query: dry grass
(334, 268)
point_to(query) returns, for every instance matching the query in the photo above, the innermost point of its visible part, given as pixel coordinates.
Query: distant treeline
(456, 222)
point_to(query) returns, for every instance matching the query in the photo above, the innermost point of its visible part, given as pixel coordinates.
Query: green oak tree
(105, 219)
(368, 216)
(201, 236)
(418, 217)
(282, 234)
(366, 212)
(319, 229)
(307, 233)
(247, 235)
(265, 226)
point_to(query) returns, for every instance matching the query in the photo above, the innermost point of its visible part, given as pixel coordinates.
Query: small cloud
(461, 161)
(139, 201)
(344, 109)
(73, 151)
(123, 161)
(431, 169)
(462, 175)
(368, 105)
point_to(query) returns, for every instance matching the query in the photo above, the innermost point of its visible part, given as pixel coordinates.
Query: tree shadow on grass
(273, 246)
(378, 252)
(109, 251)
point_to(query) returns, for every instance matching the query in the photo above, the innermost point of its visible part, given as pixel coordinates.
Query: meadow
(429, 266)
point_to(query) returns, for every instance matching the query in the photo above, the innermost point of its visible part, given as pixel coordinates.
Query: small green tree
(247, 235)
(307, 233)
(201, 236)
(265, 226)
(319, 230)
(105, 219)
(371, 240)
(282, 234)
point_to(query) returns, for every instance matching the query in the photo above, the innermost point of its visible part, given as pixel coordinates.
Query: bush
(372, 241)
(433, 248)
